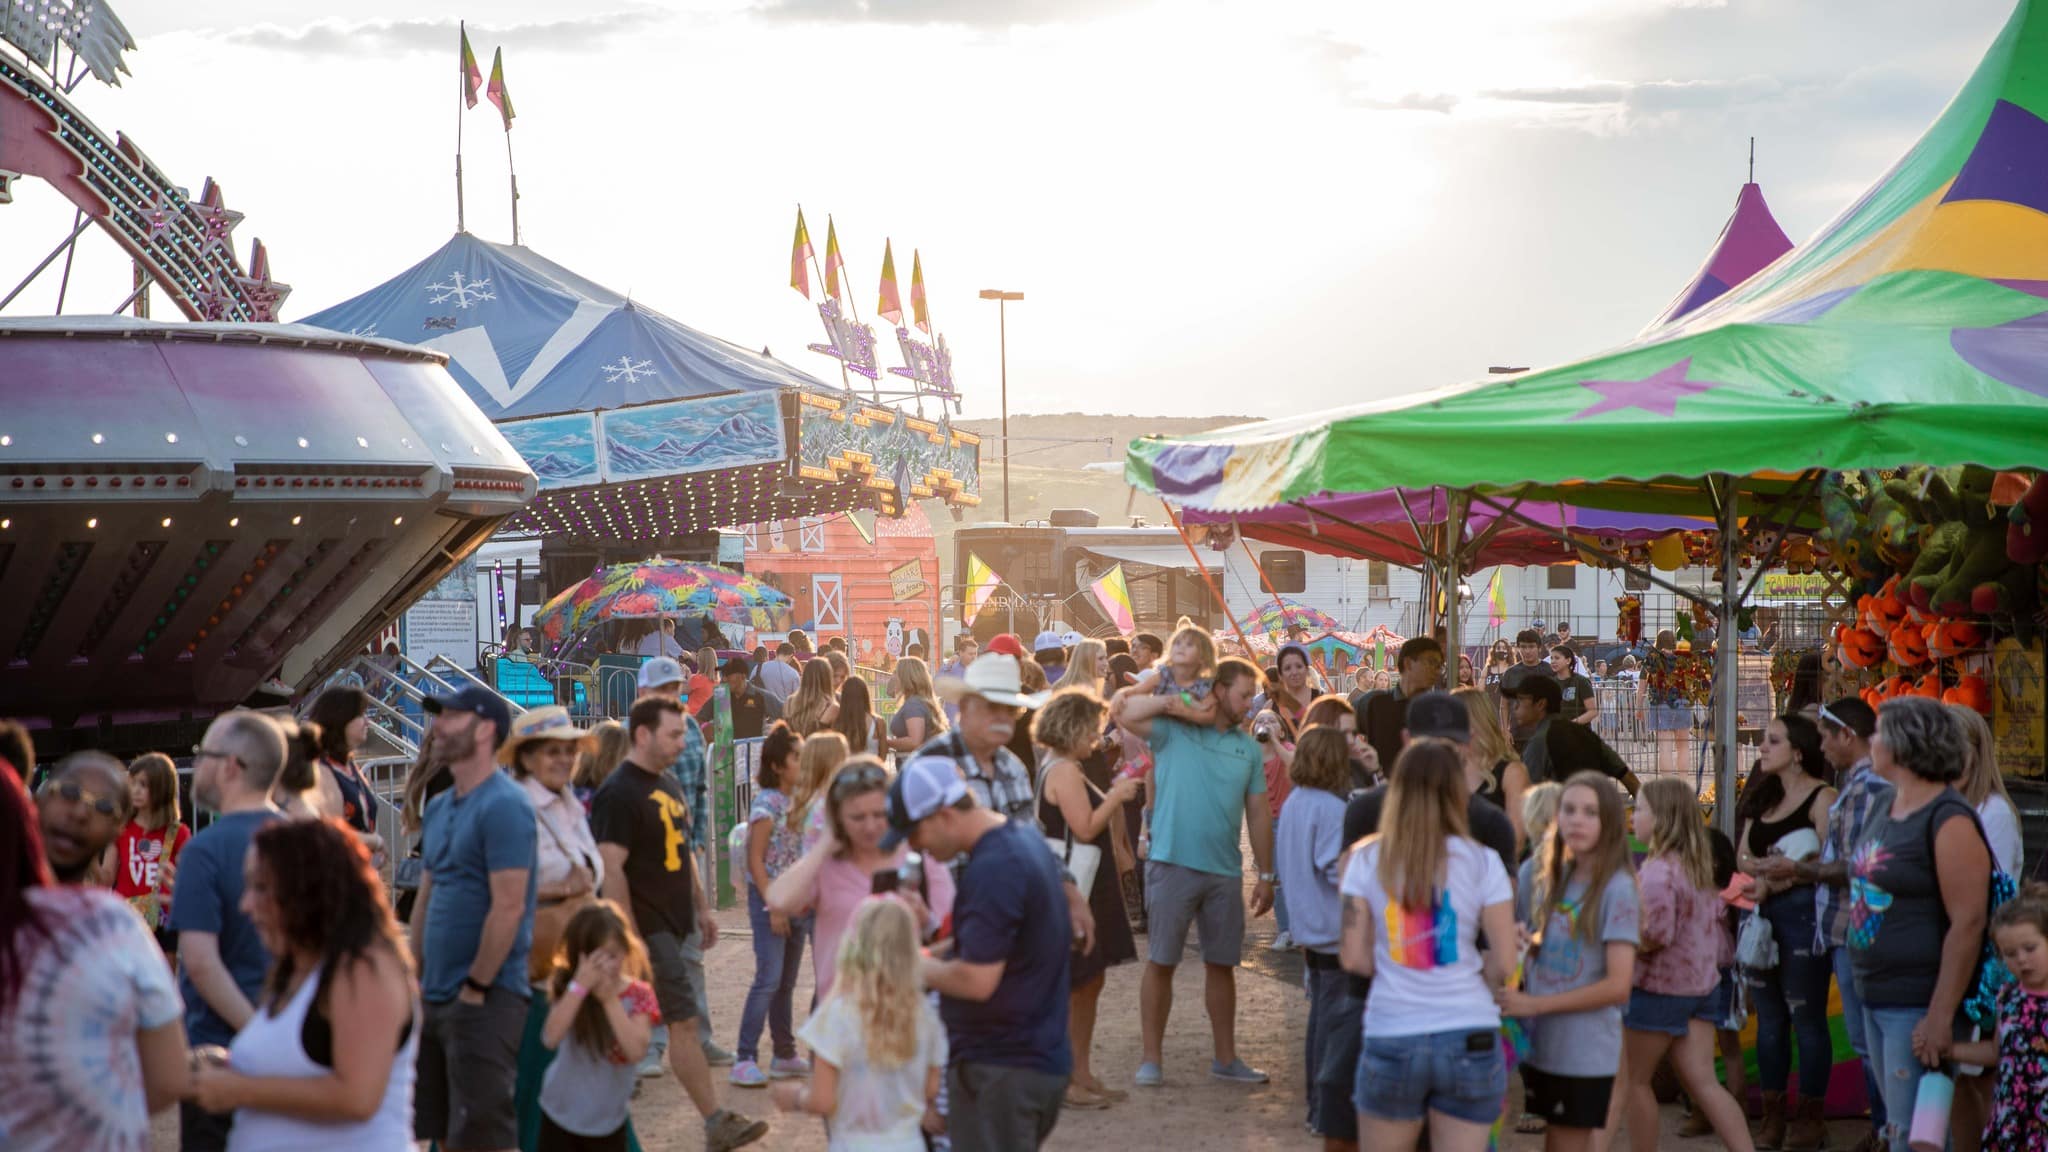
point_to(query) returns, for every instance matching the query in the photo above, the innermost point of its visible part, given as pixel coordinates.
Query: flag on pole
(472, 75)
(833, 261)
(799, 257)
(1497, 601)
(890, 306)
(920, 310)
(495, 91)
(981, 584)
(1115, 597)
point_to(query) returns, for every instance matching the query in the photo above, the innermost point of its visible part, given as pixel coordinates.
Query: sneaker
(715, 1056)
(1281, 943)
(747, 1074)
(653, 1064)
(788, 1068)
(1237, 1072)
(1149, 1075)
(725, 1131)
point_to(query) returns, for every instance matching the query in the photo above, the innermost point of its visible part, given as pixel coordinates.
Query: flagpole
(461, 102)
(845, 381)
(515, 183)
(874, 387)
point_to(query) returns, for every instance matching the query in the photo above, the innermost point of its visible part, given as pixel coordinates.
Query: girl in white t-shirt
(1415, 898)
(878, 1045)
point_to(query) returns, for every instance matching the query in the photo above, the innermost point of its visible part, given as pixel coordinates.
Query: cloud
(970, 13)
(400, 37)
(1440, 102)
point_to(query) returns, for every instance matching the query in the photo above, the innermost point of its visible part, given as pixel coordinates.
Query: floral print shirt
(785, 844)
(2019, 1107)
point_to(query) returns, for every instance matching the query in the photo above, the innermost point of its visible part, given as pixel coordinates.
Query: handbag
(1754, 947)
(551, 917)
(1081, 860)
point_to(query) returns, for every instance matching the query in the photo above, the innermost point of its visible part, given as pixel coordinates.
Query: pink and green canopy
(1278, 615)
(1911, 329)
(654, 588)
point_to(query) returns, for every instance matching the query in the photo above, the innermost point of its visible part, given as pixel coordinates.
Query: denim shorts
(1717, 1005)
(1461, 1074)
(1656, 1012)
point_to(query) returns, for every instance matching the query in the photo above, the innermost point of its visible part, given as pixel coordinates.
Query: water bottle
(910, 873)
(1929, 1132)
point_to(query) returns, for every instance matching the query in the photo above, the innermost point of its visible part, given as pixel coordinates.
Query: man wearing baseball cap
(473, 920)
(1557, 749)
(753, 707)
(990, 698)
(1003, 993)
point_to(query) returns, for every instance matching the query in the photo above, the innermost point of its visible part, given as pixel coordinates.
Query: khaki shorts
(1176, 897)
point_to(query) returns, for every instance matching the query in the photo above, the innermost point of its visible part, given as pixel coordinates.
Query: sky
(1241, 207)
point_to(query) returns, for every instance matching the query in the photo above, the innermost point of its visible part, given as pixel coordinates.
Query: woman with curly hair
(327, 1060)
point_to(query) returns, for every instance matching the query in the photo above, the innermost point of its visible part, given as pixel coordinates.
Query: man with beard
(81, 810)
(990, 698)
(1211, 783)
(223, 960)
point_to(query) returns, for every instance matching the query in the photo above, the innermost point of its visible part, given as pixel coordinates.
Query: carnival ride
(190, 509)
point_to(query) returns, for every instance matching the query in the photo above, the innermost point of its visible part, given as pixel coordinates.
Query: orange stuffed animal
(1949, 639)
(1861, 647)
(1973, 691)
(1908, 646)
(1929, 686)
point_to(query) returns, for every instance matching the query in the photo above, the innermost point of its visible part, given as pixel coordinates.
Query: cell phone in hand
(884, 881)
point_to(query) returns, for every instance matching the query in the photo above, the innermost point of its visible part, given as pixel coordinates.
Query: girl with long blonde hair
(1416, 896)
(1983, 785)
(1583, 917)
(820, 757)
(918, 716)
(879, 1046)
(1490, 757)
(1085, 667)
(815, 703)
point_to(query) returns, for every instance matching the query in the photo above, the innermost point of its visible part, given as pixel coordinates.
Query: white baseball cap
(922, 787)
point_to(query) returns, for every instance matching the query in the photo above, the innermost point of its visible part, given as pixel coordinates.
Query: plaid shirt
(1847, 817)
(689, 772)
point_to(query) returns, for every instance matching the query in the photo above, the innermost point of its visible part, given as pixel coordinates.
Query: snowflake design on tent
(461, 290)
(628, 370)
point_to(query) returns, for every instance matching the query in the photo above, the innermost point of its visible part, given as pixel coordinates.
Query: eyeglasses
(103, 803)
(860, 778)
(202, 752)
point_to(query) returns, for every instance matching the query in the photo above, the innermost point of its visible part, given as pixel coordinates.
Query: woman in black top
(1789, 796)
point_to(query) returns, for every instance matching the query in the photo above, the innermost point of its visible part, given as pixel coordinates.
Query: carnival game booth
(1910, 331)
(871, 580)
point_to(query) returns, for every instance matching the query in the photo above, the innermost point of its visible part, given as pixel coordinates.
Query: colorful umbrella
(1276, 616)
(654, 588)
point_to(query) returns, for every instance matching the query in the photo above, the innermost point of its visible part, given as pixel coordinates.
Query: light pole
(1002, 300)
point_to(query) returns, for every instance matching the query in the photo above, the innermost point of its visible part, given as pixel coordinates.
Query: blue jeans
(1889, 1032)
(1852, 1023)
(1279, 913)
(777, 962)
(1461, 1073)
(1791, 1000)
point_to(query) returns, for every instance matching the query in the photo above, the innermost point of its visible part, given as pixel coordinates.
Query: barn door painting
(828, 602)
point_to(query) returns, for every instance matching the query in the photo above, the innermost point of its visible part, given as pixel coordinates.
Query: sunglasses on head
(103, 803)
(859, 778)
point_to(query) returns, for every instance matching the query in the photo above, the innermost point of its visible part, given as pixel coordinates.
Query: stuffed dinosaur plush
(1845, 504)
(1896, 532)
(1979, 559)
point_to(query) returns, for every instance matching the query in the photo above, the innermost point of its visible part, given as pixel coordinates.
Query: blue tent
(527, 337)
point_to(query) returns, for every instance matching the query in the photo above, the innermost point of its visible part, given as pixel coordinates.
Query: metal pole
(1003, 344)
(1724, 658)
(1454, 532)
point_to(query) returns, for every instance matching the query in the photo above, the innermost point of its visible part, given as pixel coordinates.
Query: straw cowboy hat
(549, 723)
(995, 678)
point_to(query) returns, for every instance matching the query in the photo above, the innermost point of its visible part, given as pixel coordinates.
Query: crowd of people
(1460, 870)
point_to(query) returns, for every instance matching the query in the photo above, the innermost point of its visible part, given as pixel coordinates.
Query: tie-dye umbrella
(653, 588)
(1276, 616)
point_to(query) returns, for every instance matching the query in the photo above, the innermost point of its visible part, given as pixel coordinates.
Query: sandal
(1113, 1095)
(1079, 1097)
(1530, 1124)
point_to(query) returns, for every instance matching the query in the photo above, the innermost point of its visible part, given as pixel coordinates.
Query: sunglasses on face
(72, 791)
(864, 778)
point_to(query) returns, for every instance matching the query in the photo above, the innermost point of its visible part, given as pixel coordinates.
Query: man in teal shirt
(1209, 782)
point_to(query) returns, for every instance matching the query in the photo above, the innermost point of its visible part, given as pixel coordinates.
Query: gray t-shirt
(588, 1093)
(1577, 1043)
(914, 708)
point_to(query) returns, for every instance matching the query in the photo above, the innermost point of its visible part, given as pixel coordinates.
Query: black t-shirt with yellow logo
(644, 812)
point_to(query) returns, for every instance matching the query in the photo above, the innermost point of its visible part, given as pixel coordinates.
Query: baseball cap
(1047, 641)
(922, 787)
(1536, 687)
(1006, 644)
(660, 670)
(1439, 714)
(1069, 638)
(476, 700)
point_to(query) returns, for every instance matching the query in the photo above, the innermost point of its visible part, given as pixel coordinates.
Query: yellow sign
(2016, 713)
(1786, 586)
(907, 579)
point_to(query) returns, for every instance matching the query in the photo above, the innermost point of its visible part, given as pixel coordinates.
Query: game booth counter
(1901, 353)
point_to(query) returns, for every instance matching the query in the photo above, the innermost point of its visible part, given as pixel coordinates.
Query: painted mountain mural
(692, 436)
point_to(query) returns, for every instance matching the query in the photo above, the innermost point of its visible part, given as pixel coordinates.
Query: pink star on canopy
(1657, 393)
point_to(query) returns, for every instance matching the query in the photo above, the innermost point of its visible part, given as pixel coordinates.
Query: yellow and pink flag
(799, 257)
(496, 92)
(920, 310)
(1114, 594)
(1497, 601)
(833, 261)
(980, 585)
(472, 76)
(890, 306)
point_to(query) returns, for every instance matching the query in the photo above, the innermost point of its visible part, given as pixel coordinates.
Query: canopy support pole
(1723, 488)
(1342, 522)
(1595, 550)
(1222, 605)
(1454, 531)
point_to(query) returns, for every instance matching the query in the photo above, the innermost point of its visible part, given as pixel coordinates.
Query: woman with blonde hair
(815, 703)
(1490, 758)
(604, 749)
(918, 716)
(1086, 666)
(1983, 785)
(817, 759)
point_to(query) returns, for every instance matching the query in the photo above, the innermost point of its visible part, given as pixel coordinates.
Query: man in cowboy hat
(990, 697)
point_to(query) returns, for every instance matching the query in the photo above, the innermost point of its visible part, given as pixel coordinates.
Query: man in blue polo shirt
(1209, 783)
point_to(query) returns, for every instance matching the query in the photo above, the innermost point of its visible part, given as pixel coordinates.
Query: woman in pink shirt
(1677, 970)
(836, 875)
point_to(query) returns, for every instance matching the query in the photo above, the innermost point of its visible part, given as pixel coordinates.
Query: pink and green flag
(472, 76)
(920, 309)
(496, 92)
(980, 585)
(1497, 602)
(834, 263)
(890, 306)
(799, 257)
(1114, 594)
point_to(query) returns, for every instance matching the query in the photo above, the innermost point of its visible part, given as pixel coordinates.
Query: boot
(1772, 1134)
(1695, 1123)
(1809, 1129)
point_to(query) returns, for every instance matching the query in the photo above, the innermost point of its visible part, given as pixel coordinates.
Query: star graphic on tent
(1657, 393)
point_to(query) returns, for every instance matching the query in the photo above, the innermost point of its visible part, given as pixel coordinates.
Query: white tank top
(269, 1046)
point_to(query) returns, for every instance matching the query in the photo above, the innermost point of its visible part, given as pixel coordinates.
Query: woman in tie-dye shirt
(1415, 899)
